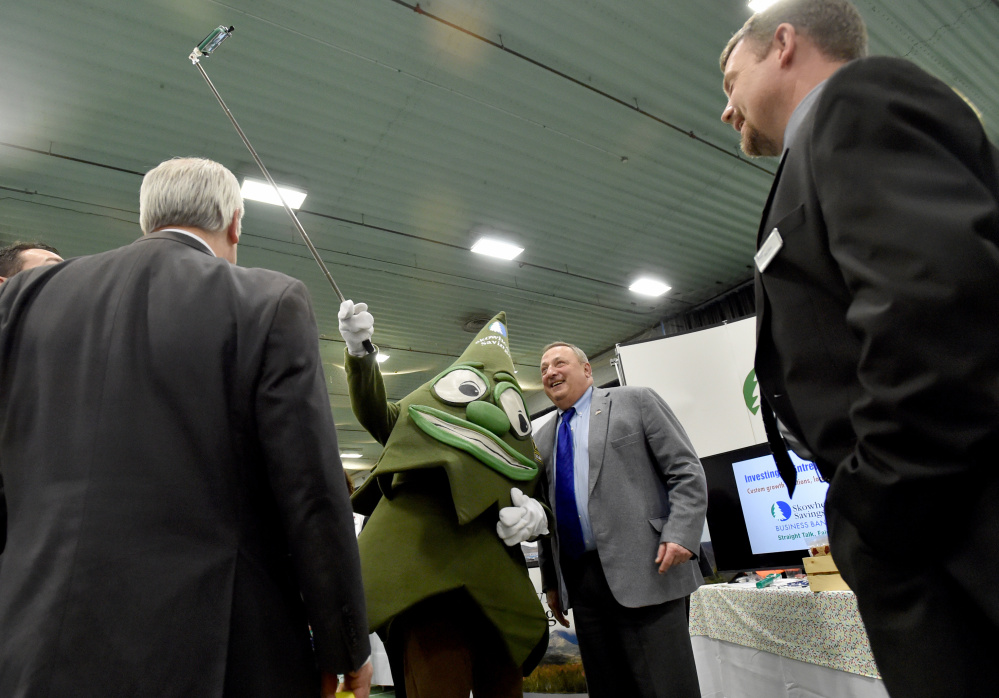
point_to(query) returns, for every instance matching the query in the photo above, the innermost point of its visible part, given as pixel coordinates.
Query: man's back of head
(196, 195)
(20, 256)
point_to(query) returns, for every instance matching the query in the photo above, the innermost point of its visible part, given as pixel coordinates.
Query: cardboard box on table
(823, 575)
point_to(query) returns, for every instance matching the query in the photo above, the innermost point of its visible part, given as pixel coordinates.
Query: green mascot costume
(449, 502)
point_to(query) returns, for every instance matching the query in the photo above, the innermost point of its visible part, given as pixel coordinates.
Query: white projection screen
(705, 377)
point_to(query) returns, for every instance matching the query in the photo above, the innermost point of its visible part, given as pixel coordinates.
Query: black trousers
(932, 615)
(642, 652)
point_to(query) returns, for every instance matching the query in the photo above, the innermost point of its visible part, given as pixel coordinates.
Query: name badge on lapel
(768, 250)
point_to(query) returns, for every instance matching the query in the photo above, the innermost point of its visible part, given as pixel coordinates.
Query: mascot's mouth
(473, 439)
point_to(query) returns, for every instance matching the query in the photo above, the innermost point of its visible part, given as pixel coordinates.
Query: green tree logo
(749, 392)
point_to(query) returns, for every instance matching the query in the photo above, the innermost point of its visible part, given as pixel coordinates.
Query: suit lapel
(761, 300)
(600, 407)
(545, 442)
(770, 201)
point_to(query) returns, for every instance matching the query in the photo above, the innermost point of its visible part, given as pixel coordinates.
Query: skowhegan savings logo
(797, 521)
(749, 392)
(781, 511)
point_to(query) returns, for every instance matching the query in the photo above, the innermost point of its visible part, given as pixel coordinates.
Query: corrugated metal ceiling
(585, 130)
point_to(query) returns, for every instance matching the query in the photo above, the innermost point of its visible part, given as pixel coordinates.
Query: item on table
(768, 580)
(818, 546)
(823, 575)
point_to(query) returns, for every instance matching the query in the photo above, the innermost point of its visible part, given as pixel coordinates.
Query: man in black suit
(877, 287)
(177, 514)
(15, 258)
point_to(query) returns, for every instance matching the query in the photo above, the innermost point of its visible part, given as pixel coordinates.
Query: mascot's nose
(488, 416)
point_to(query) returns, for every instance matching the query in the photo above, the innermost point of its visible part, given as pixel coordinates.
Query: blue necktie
(570, 533)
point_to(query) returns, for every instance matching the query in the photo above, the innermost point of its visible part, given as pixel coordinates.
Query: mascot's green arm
(367, 396)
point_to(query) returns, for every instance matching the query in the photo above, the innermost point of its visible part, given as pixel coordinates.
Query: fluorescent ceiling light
(350, 455)
(258, 190)
(358, 466)
(649, 287)
(381, 358)
(496, 248)
(760, 5)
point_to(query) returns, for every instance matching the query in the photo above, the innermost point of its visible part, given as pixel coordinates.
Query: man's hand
(356, 326)
(671, 554)
(556, 608)
(359, 682)
(523, 521)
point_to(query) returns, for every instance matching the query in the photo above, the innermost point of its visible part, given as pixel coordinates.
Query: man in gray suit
(177, 513)
(629, 499)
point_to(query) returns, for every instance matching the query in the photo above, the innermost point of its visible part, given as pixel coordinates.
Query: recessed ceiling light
(349, 454)
(496, 248)
(381, 358)
(358, 466)
(648, 287)
(760, 5)
(258, 190)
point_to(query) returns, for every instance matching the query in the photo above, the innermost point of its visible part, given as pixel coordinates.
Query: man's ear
(785, 41)
(3, 278)
(232, 230)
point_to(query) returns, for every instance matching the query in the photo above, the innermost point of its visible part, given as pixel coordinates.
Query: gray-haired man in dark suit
(177, 514)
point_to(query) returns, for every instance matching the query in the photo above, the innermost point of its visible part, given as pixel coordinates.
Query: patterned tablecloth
(820, 628)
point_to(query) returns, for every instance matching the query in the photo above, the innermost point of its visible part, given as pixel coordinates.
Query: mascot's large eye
(512, 402)
(460, 386)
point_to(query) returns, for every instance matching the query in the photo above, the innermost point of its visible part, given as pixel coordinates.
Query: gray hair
(580, 354)
(189, 192)
(834, 26)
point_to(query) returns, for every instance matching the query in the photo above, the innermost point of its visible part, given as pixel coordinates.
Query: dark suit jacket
(177, 507)
(876, 320)
(646, 487)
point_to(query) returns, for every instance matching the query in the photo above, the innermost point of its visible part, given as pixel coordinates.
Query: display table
(780, 641)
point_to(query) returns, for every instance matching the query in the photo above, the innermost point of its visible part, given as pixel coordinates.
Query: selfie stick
(204, 50)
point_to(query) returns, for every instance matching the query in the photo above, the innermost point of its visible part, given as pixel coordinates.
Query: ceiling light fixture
(649, 287)
(381, 358)
(492, 247)
(349, 454)
(760, 5)
(259, 190)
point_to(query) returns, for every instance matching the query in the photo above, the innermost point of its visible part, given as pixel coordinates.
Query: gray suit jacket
(646, 487)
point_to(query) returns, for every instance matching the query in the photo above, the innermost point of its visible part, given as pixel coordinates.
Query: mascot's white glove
(356, 326)
(523, 521)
